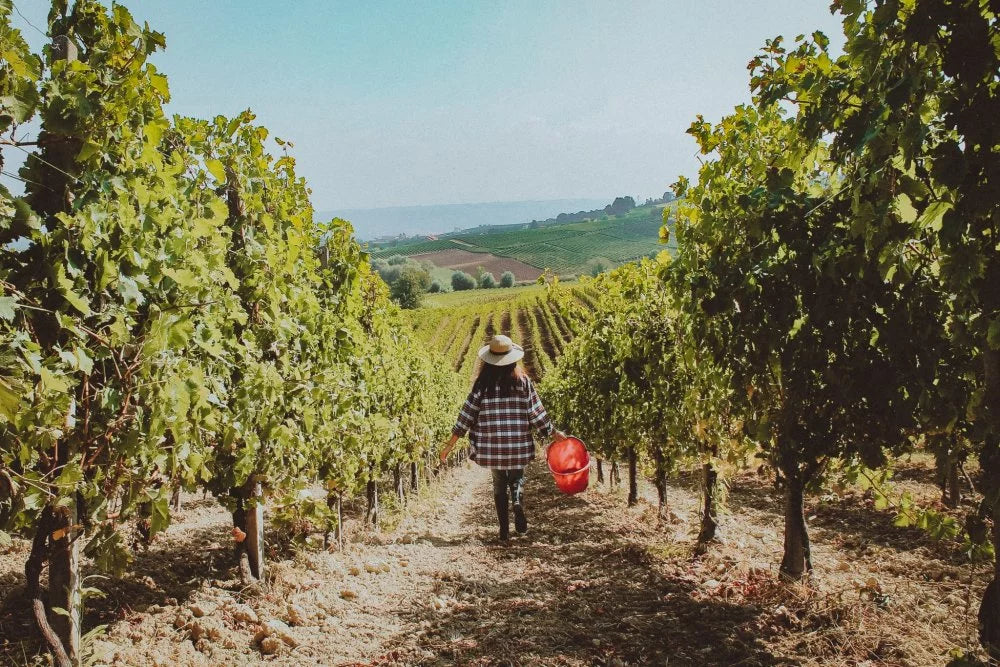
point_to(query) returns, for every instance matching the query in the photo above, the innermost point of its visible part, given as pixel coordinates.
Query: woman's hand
(447, 448)
(558, 436)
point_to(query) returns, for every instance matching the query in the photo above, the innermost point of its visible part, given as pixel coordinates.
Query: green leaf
(70, 475)
(84, 362)
(10, 400)
(933, 214)
(74, 299)
(129, 289)
(53, 382)
(217, 169)
(160, 512)
(7, 306)
(993, 334)
(159, 83)
(88, 150)
(183, 277)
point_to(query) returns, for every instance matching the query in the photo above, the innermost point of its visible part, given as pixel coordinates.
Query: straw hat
(501, 351)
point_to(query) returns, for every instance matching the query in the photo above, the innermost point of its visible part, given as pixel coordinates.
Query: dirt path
(593, 583)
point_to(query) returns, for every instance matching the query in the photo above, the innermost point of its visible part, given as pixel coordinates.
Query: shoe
(520, 521)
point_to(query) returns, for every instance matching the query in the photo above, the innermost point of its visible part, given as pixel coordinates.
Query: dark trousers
(512, 481)
(508, 479)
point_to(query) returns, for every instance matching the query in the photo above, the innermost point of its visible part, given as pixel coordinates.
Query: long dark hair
(499, 381)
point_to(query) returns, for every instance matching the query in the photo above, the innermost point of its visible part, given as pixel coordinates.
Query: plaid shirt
(500, 427)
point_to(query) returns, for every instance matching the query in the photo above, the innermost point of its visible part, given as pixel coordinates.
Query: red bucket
(569, 463)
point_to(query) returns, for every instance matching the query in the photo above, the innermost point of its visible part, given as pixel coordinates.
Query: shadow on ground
(849, 521)
(575, 591)
(165, 570)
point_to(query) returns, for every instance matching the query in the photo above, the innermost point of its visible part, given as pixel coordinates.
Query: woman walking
(499, 415)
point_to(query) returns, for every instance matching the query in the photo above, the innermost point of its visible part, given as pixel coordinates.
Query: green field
(566, 249)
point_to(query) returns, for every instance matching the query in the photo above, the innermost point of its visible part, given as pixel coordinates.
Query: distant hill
(572, 248)
(374, 223)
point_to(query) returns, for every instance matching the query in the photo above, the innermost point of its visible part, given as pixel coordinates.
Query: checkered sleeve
(467, 415)
(536, 412)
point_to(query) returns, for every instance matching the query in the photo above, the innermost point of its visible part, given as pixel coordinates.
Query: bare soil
(463, 260)
(593, 583)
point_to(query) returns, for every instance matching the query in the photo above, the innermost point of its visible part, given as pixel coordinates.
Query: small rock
(712, 583)
(243, 613)
(276, 628)
(200, 609)
(205, 628)
(374, 567)
(296, 615)
(353, 571)
(348, 595)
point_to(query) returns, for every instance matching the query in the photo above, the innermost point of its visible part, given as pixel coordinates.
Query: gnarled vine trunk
(371, 496)
(662, 509)
(249, 518)
(397, 481)
(709, 500)
(414, 477)
(989, 459)
(32, 574)
(600, 471)
(796, 560)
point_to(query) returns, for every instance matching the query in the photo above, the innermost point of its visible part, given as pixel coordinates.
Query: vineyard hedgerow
(830, 261)
(173, 317)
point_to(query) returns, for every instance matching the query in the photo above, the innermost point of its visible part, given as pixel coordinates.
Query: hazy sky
(408, 102)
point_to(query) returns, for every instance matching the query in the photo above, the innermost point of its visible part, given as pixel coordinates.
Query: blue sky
(393, 103)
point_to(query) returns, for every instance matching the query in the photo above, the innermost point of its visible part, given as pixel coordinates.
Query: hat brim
(516, 354)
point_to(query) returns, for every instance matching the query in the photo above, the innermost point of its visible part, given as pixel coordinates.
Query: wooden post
(255, 531)
(340, 521)
(414, 477)
(633, 484)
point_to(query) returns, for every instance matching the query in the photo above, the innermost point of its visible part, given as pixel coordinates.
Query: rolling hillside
(572, 248)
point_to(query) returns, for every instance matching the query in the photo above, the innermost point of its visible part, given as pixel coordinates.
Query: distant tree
(409, 288)
(460, 280)
(534, 224)
(390, 274)
(620, 205)
(487, 280)
(396, 260)
(507, 279)
(597, 266)
(668, 197)
(435, 287)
